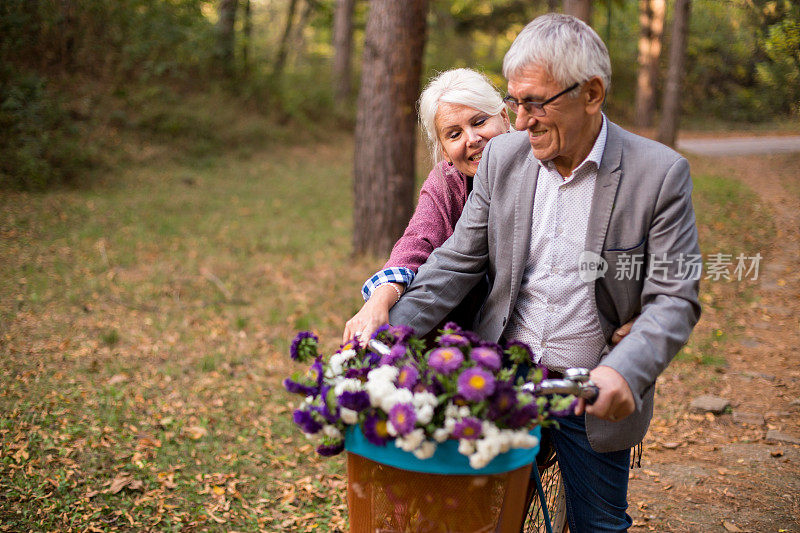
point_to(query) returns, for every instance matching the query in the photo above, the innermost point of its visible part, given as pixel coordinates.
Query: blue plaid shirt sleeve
(387, 275)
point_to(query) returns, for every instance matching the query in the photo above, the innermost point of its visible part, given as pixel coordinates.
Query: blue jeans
(596, 484)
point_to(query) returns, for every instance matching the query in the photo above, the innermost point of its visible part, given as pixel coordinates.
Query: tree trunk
(386, 123)
(651, 29)
(342, 49)
(226, 35)
(579, 8)
(247, 32)
(671, 106)
(283, 47)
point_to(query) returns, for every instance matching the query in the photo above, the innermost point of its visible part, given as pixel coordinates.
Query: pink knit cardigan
(441, 201)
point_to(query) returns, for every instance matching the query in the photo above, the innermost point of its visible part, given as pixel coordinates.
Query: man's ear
(506, 120)
(594, 94)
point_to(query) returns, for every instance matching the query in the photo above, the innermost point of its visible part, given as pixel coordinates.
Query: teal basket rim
(446, 460)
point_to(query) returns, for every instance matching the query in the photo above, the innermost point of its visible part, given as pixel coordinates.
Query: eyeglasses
(535, 109)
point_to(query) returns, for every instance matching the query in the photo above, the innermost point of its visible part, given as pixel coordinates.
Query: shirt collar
(595, 154)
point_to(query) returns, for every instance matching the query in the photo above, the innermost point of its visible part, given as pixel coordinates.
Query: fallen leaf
(195, 432)
(730, 526)
(776, 453)
(670, 445)
(117, 378)
(119, 483)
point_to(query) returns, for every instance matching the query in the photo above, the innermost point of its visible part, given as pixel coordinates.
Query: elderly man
(580, 225)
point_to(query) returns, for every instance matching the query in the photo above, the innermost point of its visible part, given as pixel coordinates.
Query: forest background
(178, 198)
(77, 77)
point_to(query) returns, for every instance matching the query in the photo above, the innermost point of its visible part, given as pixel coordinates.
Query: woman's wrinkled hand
(373, 314)
(622, 331)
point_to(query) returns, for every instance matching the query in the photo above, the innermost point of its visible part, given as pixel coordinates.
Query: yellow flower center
(401, 417)
(477, 381)
(447, 355)
(380, 428)
(469, 431)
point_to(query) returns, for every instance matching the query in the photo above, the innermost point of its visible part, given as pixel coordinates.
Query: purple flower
(403, 418)
(408, 377)
(381, 329)
(486, 357)
(446, 360)
(299, 388)
(355, 401)
(452, 327)
(352, 344)
(453, 339)
(522, 416)
(476, 384)
(332, 417)
(357, 373)
(304, 346)
(468, 428)
(375, 430)
(503, 400)
(306, 421)
(401, 333)
(333, 448)
(398, 352)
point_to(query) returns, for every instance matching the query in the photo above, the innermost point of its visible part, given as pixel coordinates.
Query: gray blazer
(641, 206)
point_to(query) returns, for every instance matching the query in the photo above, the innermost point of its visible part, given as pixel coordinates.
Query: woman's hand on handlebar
(373, 314)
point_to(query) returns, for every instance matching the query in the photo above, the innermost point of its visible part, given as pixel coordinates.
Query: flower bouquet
(408, 406)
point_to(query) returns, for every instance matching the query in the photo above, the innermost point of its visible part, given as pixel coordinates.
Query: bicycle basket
(390, 490)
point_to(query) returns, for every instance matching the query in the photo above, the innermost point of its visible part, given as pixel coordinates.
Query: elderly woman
(460, 111)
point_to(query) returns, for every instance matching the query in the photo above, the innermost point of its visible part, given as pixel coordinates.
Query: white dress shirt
(554, 313)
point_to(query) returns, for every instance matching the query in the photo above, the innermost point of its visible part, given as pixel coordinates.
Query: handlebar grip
(590, 393)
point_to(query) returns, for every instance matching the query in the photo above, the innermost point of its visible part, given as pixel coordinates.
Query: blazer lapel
(605, 191)
(523, 213)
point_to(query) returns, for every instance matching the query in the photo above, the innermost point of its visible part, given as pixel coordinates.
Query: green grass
(145, 325)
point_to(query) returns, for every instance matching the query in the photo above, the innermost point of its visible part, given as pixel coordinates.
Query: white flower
(440, 435)
(331, 431)
(466, 447)
(451, 411)
(349, 416)
(449, 424)
(383, 373)
(426, 450)
(425, 398)
(348, 385)
(424, 414)
(479, 460)
(378, 390)
(346, 355)
(463, 411)
(396, 396)
(390, 429)
(410, 442)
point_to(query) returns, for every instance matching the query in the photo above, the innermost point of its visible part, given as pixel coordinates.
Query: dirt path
(738, 471)
(735, 146)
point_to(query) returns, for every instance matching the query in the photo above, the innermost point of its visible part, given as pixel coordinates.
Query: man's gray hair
(457, 86)
(568, 48)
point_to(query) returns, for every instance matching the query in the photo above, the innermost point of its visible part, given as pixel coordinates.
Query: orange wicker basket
(384, 498)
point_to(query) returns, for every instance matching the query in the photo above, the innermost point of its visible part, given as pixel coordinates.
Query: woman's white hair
(568, 48)
(457, 86)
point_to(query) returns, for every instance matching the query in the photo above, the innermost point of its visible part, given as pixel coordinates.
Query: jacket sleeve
(669, 298)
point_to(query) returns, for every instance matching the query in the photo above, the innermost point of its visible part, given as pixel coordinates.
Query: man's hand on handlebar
(615, 400)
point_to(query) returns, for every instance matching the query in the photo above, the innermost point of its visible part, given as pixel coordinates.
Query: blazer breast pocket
(624, 279)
